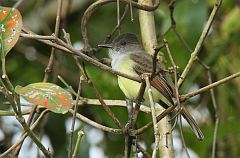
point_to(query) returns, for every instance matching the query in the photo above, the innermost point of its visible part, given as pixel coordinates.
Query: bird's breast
(125, 65)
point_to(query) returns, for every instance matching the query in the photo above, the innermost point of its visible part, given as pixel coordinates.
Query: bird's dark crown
(126, 38)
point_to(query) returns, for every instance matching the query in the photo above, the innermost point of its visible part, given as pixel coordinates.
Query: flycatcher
(128, 56)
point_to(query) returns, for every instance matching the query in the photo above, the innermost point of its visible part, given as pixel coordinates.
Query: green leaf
(47, 95)
(10, 28)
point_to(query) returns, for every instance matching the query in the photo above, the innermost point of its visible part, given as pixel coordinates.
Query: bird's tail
(193, 124)
(188, 117)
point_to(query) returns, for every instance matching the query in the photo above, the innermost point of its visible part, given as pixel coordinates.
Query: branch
(99, 96)
(49, 67)
(12, 113)
(208, 87)
(92, 8)
(79, 138)
(155, 126)
(18, 3)
(69, 49)
(148, 125)
(74, 117)
(200, 42)
(96, 125)
(217, 119)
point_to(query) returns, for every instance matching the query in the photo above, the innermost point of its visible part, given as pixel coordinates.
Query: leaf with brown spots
(10, 28)
(48, 95)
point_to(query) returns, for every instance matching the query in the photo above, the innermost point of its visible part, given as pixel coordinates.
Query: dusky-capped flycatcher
(128, 56)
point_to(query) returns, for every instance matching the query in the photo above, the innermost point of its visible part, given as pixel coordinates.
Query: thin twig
(208, 87)
(200, 42)
(118, 16)
(65, 16)
(141, 130)
(131, 10)
(171, 8)
(68, 86)
(18, 3)
(176, 91)
(68, 40)
(47, 42)
(12, 113)
(105, 107)
(97, 125)
(32, 36)
(138, 104)
(29, 121)
(128, 138)
(155, 126)
(117, 26)
(49, 67)
(217, 119)
(120, 103)
(69, 49)
(79, 138)
(182, 138)
(51, 60)
(74, 118)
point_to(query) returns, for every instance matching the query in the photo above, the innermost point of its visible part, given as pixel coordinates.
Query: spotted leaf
(47, 95)
(10, 28)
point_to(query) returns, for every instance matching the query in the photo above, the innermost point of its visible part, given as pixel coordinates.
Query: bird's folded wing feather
(160, 82)
(163, 84)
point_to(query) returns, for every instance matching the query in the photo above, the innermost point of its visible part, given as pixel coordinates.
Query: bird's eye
(123, 43)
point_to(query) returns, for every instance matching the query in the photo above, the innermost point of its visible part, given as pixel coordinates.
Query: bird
(129, 57)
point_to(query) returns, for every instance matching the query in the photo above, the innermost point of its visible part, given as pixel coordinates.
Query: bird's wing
(164, 85)
(160, 81)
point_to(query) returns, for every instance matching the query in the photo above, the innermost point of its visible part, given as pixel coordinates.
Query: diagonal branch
(208, 87)
(200, 43)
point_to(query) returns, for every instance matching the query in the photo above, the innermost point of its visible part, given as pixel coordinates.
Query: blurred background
(221, 51)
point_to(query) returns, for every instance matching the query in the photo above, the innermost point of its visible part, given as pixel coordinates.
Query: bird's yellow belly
(131, 90)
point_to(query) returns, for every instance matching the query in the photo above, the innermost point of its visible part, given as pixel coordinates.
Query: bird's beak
(105, 45)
